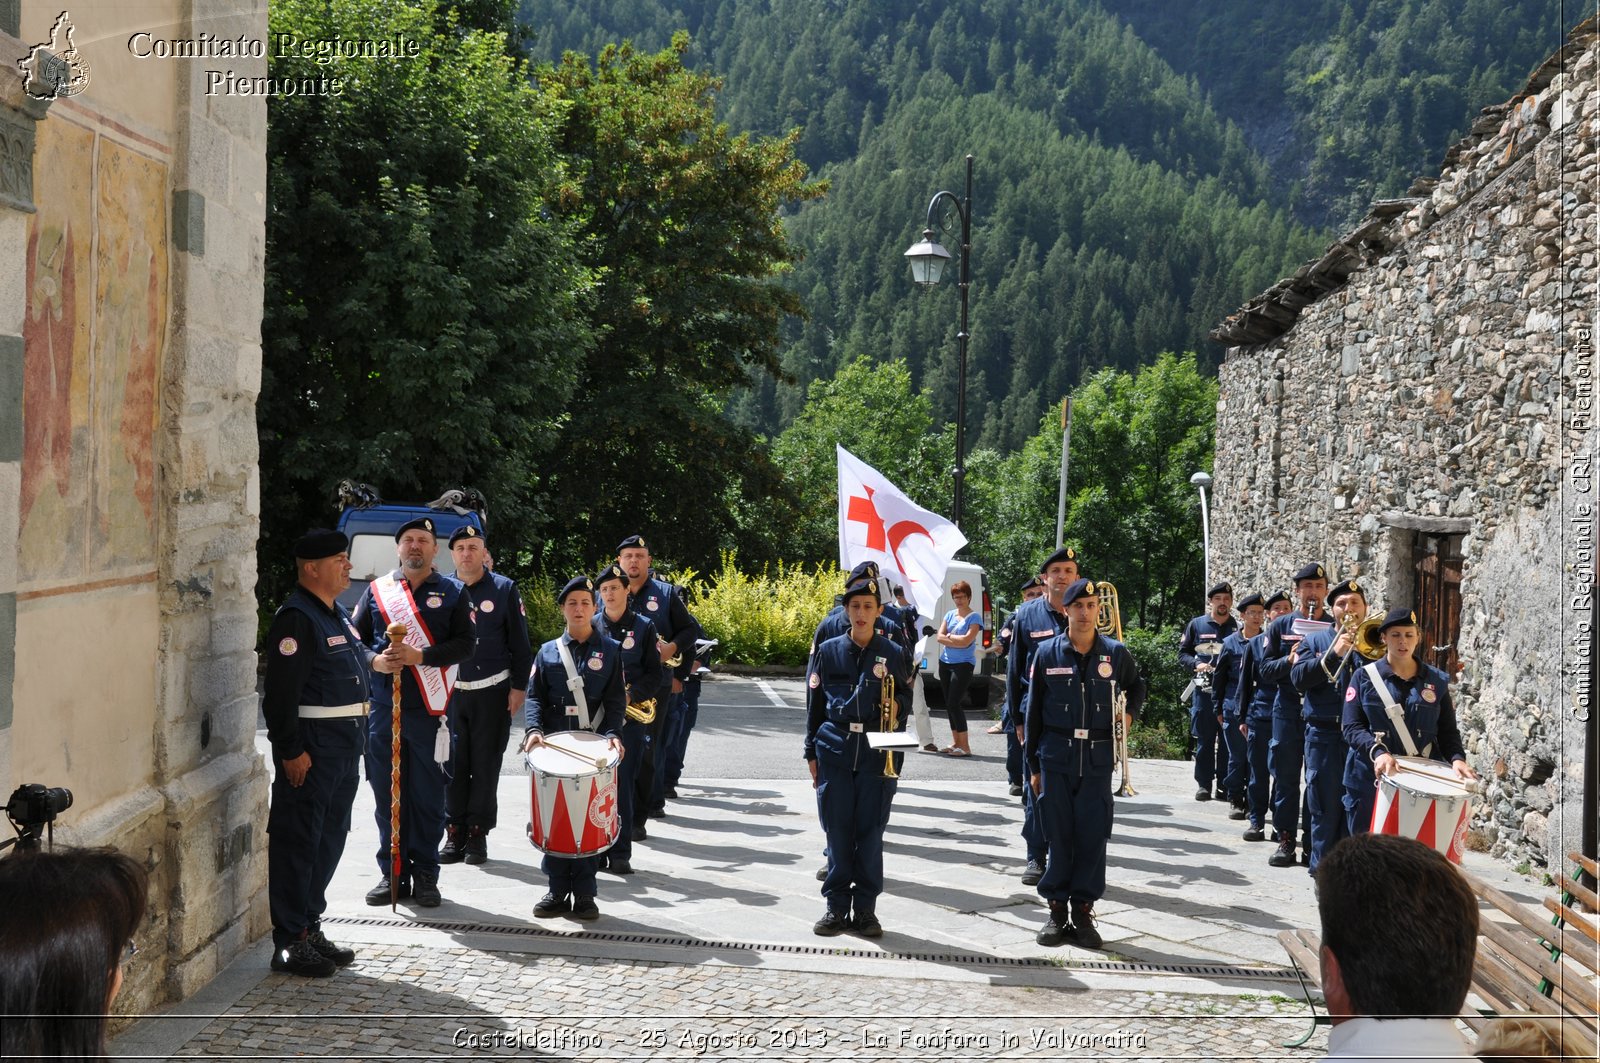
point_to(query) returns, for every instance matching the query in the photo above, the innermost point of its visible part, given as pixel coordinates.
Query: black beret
(1349, 586)
(610, 572)
(865, 570)
(1078, 588)
(632, 542)
(1033, 581)
(1311, 571)
(1276, 597)
(1397, 618)
(466, 531)
(1251, 599)
(423, 523)
(319, 543)
(1066, 553)
(860, 587)
(1221, 588)
(576, 583)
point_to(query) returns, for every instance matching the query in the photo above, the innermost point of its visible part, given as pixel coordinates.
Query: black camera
(32, 807)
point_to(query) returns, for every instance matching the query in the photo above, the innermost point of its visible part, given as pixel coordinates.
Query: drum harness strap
(1397, 715)
(575, 684)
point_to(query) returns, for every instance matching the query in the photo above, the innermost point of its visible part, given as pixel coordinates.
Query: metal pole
(1061, 492)
(1205, 531)
(961, 375)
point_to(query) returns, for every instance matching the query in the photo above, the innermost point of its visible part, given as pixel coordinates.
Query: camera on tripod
(32, 809)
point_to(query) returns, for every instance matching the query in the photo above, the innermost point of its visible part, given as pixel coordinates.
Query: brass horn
(1109, 620)
(1368, 642)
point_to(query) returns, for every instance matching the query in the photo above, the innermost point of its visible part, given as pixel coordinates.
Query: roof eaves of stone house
(1523, 120)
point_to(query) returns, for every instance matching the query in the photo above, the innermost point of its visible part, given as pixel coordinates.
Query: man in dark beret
(1198, 651)
(315, 705)
(438, 617)
(1287, 749)
(489, 693)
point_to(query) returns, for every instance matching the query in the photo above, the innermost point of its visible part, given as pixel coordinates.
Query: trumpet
(642, 711)
(673, 661)
(1119, 734)
(888, 722)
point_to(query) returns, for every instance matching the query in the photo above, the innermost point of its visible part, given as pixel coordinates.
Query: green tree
(682, 220)
(871, 410)
(421, 306)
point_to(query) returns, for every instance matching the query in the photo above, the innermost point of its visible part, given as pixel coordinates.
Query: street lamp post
(928, 259)
(1203, 480)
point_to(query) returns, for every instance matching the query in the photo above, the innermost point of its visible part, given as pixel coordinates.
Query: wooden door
(1438, 599)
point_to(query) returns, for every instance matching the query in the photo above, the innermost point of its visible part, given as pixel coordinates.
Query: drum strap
(575, 684)
(1397, 715)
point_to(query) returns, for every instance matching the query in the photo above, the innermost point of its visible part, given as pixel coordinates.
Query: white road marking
(772, 695)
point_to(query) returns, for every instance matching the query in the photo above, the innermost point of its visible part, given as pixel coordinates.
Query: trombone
(1109, 623)
(1109, 620)
(1119, 733)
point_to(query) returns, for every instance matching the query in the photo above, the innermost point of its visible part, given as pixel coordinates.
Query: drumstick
(598, 762)
(1469, 785)
(397, 634)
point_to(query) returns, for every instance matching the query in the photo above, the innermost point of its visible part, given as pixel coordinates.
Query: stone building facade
(1416, 409)
(132, 213)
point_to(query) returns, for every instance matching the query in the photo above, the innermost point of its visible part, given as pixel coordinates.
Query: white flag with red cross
(877, 522)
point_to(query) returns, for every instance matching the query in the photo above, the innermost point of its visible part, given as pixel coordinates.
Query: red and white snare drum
(1424, 800)
(575, 811)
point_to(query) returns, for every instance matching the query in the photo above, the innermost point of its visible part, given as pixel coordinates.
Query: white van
(978, 692)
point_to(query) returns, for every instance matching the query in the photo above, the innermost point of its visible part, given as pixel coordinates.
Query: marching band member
(1202, 641)
(642, 674)
(1078, 679)
(489, 692)
(1255, 700)
(1033, 623)
(1396, 704)
(855, 784)
(1325, 662)
(438, 616)
(1286, 750)
(577, 685)
(1224, 689)
(1033, 588)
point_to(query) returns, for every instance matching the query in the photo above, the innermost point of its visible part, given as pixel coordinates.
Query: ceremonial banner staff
(397, 633)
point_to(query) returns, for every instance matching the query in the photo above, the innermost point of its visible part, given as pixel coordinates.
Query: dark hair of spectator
(66, 920)
(1402, 923)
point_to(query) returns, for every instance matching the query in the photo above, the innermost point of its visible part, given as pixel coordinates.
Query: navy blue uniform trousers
(308, 824)
(422, 783)
(1075, 812)
(855, 805)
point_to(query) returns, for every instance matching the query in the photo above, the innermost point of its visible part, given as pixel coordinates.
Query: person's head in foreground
(67, 922)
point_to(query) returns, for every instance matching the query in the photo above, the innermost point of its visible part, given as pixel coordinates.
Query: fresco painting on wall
(93, 337)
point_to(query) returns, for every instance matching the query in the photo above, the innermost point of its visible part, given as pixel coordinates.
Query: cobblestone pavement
(402, 1002)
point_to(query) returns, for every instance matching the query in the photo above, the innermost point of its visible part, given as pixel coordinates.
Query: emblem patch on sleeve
(288, 647)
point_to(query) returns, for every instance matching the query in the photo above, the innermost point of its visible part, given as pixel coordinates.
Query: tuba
(1109, 622)
(888, 721)
(642, 711)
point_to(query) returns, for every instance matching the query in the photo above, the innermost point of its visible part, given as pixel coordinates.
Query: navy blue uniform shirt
(552, 706)
(1225, 675)
(1275, 662)
(502, 628)
(442, 605)
(1203, 629)
(662, 604)
(844, 698)
(1068, 716)
(642, 671)
(1430, 715)
(314, 657)
(1322, 678)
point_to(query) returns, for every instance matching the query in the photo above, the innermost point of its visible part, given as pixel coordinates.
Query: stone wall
(1436, 380)
(131, 264)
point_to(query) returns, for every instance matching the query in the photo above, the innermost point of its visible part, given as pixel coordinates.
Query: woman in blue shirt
(958, 657)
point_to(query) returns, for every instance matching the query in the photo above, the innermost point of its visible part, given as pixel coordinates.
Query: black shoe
(379, 894)
(822, 873)
(550, 905)
(1305, 856)
(659, 812)
(639, 833)
(1056, 930)
(585, 909)
(1016, 789)
(830, 925)
(1032, 873)
(302, 958)
(427, 891)
(619, 866)
(340, 955)
(672, 793)
(1202, 795)
(476, 847)
(1083, 925)
(1284, 856)
(867, 925)
(1255, 834)
(453, 850)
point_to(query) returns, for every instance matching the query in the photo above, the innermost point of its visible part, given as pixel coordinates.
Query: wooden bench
(1527, 964)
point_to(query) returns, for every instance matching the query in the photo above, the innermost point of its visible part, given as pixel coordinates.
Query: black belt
(1093, 734)
(1323, 725)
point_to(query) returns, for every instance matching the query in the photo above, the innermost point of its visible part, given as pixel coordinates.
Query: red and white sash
(396, 603)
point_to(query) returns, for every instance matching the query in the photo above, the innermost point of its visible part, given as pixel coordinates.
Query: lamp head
(927, 259)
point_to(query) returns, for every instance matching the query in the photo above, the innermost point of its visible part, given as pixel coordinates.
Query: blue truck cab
(372, 528)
